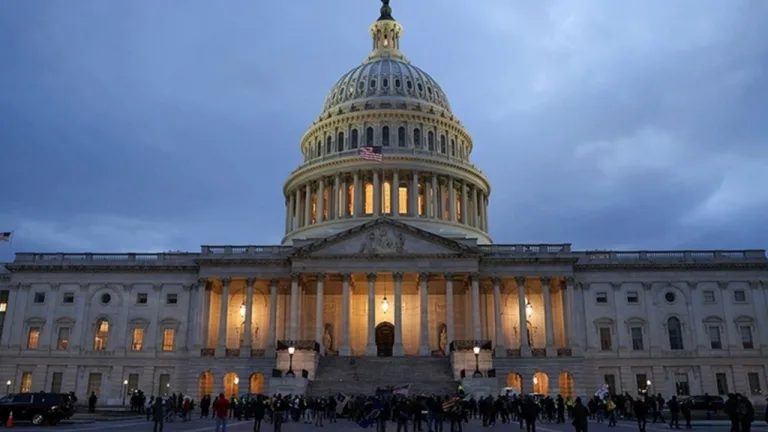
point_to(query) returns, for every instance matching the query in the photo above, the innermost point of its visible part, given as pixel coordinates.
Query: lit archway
(515, 380)
(231, 384)
(204, 385)
(541, 383)
(566, 384)
(256, 384)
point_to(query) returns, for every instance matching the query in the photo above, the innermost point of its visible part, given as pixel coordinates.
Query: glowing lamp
(242, 310)
(385, 305)
(291, 350)
(528, 310)
(476, 350)
(237, 380)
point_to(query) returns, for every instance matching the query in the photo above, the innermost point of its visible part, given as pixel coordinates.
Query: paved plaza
(207, 425)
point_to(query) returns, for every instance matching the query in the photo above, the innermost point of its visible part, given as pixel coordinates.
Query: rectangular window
(739, 296)
(171, 299)
(722, 384)
(39, 297)
(632, 297)
(133, 383)
(3, 306)
(637, 338)
(601, 297)
(62, 341)
(746, 337)
(94, 384)
(714, 338)
(681, 384)
(642, 382)
(164, 386)
(753, 379)
(137, 340)
(142, 298)
(56, 379)
(709, 296)
(33, 338)
(26, 382)
(605, 338)
(610, 381)
(168, 337)
(68, 298)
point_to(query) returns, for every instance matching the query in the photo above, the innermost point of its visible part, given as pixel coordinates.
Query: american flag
(5, 236)
(370, 153)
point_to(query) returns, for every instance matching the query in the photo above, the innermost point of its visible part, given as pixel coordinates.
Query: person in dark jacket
(158, 414)
(580, 416)
(258, 410)
(640, 409)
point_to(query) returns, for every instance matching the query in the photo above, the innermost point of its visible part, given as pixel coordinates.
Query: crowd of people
(435, 413)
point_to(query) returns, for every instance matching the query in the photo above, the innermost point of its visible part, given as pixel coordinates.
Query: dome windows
(385, 83)
(431, 141)
(409, 84)
(429, 90)
(417, 138)
(401, 136)
(453, 147)
(369, 137)
(385, 136)
(420, 87)
(328, 144)
(398, 84)
(373, 83)
(361, 85)
(340, 142)
(355, 139)
(442, 144)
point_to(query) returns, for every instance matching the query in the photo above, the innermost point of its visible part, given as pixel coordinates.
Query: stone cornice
(673, 266)
(102, 268)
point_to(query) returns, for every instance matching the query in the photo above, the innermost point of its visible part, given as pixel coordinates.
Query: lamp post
(8, 387)
(291, 351)
(385, 305)
(477, 373)
(167, 388)
(237, 386)
(647, 385)
(125, 390)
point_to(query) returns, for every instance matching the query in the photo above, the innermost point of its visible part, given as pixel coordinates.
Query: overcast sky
(152, 125)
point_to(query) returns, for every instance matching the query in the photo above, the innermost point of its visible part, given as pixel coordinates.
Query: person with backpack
(746, 412)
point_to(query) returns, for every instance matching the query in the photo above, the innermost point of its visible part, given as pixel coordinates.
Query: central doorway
(385, 339)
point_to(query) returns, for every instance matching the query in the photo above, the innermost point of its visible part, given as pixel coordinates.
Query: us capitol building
(391, 259)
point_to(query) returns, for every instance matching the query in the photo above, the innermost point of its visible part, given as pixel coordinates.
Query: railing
(299, 345)
(525, 249)
(469, 345)
(272, 251)
(207, 352)
(111, 258)
(564, 352)
(689, 256)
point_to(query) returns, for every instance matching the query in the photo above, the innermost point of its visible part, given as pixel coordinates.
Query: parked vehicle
(37, 408)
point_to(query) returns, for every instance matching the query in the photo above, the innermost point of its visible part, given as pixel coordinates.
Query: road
(207, 425)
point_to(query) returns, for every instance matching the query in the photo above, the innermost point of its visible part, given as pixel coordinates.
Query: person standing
(158, 414)
(220, 411)
(641, 414)
(580, 415)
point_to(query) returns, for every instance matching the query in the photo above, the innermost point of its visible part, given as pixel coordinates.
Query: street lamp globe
(476, 350)
(291, 350)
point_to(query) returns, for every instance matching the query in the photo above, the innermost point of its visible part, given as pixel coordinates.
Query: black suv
(37, 408)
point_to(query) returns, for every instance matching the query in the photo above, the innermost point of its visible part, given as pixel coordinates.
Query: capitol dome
(386, 144)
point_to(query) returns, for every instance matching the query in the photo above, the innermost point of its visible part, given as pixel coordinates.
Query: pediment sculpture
(383, 241)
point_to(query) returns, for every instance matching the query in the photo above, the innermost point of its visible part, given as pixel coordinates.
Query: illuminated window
(62, 342)
(350, 200)
(355, 139)
(3, 307)
(137, 339)
(340, 202)
(459, 210)
(340, 142)
(422, 201)
(33, 338)
(314, 208)
(26, 382)
(169, 335)
(368, 198)
(402, 200)
(326, 203)
(386, 199)
(102, 334)
(446, 204)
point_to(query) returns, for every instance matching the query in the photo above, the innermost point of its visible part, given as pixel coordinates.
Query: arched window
(417, 138)
(318, 149)
(350, 200)
(453, 147)
(675, 330)
(384, 136)
(402, 199)
(386, 201)
(101, 335)
(431, 141)
(442, 144)
(340, 142)
(369, 137)
(328, 144)
(401, 137)
(355, 138)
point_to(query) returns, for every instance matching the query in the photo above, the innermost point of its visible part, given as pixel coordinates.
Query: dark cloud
(632, 125)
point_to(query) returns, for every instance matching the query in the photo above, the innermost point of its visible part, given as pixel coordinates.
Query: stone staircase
(361, 375)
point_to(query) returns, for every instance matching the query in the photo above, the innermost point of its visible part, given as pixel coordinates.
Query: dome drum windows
(385, 83)
(385, 136)
(443, 146)
(355, 138)
(431, 141)
(340, 142)
(328, 144)
(397, 83)
(401, 136)
(417, 138)
(373, 84)
(369, 137)
(453, 147)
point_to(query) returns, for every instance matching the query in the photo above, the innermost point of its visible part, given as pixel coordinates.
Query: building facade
(389, 257)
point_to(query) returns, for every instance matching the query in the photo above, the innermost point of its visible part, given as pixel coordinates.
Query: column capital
(448, 276)
(371, 277)
(474, 277)
(569, 281)
(225, 281)
(295, 277)
(647, 286)
(694, 285)
(320, 277)
(345, 277)
(616, 285)
(157, 287)
(423, 277)
(496, 281)
(249, 282)
(520, 280)
(722, 284)
(274, 282)
(398, 277)
(202, 281)
(546, 280)
(55, 286)
(754, 284)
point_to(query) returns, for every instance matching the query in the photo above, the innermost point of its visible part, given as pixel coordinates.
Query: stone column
(370, 348)
(248, 336)
(475, 208)
(424, 304)
(548, 321)
(297, 210)
(293, 326)
(221, 348)
(483, 212)
(319, 311)
(501, 350)
(569, 313)
(464, 212)
(394, 191)
(525, 348)
(376, 194)
(9, 311)
(344, 348)
(358, 207)
(451, 200)
(46, 338)
(197, 316)
(206, 318)
(122, 322)
(308, 204)
(321, 199)
(289, 215)
(450, 326)
(414, 207)
(344, 199)
(336, 187)
(397, 349)
(435, 197)
(477, 333)
(272, 330)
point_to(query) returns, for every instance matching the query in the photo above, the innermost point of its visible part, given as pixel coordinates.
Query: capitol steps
(362, 375)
